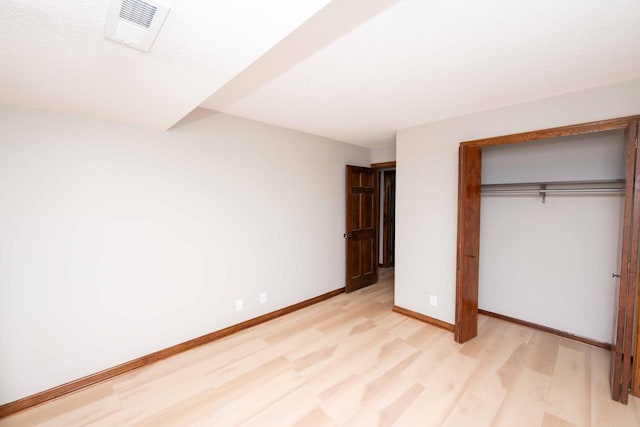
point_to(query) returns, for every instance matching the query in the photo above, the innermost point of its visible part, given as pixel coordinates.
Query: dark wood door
(362, 228)
(624, 303)
(468, 251)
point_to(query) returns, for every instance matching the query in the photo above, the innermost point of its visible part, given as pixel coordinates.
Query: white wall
(383, 153)
(427, 156)
(598, 156)
(117, 241)
(551, 263)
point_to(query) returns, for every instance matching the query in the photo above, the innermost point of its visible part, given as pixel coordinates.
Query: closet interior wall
(548, 258)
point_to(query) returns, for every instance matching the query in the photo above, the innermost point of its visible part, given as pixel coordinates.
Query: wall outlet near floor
(239, 304)
(433, 300)
(263, 297)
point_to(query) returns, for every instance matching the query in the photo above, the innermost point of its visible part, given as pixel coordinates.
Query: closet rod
(567, 190)
(557, 187)
(617, 184)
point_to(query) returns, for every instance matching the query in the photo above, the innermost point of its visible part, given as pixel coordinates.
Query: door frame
(387, 188)
(385, 240)
(468, 240)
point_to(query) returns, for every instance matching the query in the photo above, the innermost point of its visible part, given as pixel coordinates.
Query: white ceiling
(356, 71)
(53, 55)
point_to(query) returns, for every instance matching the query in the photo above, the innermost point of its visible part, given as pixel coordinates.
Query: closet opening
(549, 233)
(560, 213)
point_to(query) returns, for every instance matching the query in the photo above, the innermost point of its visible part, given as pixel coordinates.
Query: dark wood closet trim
(631, 371)
(467, 269)
(424, 318)
(621, 369)
(590, 127)
(70, 387)
(635, 377)
(384, 165)
(468, 245)
(605, 345)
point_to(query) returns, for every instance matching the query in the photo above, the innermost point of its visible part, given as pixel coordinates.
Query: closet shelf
(554, 187)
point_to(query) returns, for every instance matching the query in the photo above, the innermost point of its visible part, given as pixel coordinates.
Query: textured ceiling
(352, 70)
(54, 56)
(421, 61)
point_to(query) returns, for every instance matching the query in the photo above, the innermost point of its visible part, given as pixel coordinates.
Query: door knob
(615, 275)
(348, 236)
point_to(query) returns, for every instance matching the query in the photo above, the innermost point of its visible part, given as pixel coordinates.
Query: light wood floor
(351, 361)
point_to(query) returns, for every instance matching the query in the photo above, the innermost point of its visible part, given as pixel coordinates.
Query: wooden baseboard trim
(70, 387)
(424, 318)
(557, 332)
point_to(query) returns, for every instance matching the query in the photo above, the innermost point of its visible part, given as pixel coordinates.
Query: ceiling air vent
(135, 23)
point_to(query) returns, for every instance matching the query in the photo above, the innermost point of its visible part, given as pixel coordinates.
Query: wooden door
(362, 228)
(467, 262)
(621, 343)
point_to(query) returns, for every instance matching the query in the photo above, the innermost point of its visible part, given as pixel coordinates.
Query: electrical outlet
(433, 300)
(239, 304)
(263, 297)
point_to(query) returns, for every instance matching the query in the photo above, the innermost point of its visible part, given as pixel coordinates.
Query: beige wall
(426, 209)
(117, 241)
(383, 153)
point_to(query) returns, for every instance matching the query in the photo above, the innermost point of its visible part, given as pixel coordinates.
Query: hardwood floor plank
(605, 411)
(393, 393)
(257, 399)
(426, 336)
(407, 328)
(186, 364)
(441, 393)
(338, 336)
(636, 402)
(471, 410)
(498, 371)
(542, 351)
(430, 360)
(552, 421)
(254, 360)
(287, 411)
(58, 407)
(339, 322)
(569, 394)
(86, 414)
(315, 418)
(342, 403)
(525, 402)
(305, 323)
(164, 393)
(389, 320)
(350, 358)
(389, 414)
(489, 335)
